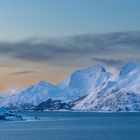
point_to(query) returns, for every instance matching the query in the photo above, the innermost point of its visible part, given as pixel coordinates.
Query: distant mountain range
(88, 89)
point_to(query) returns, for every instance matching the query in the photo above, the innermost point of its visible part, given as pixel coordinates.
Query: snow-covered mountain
(120, 93)
(78, 84)
(88, 89)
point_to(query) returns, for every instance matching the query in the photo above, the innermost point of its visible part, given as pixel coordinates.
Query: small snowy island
(6, 115)
(9, 116)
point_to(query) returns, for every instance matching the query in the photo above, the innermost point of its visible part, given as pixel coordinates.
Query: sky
(49, 39)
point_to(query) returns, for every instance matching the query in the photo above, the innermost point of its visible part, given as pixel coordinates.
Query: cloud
(22, 73)
(66, 51)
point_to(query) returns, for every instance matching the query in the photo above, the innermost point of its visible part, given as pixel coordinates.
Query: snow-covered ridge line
(91, 88)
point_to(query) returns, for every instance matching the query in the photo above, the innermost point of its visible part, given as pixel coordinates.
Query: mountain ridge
(88, 89)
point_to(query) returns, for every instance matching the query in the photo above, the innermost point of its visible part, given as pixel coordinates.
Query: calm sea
(73, 126)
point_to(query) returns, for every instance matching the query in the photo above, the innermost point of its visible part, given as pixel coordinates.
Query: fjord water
(73, 126)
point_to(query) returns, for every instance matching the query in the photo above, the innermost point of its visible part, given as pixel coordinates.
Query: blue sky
(48, 39)
(27, 18)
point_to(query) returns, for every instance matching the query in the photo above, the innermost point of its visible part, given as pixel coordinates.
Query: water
(74, 126)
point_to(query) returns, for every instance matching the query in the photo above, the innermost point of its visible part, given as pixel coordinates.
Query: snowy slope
(83, 82)
(28, 98)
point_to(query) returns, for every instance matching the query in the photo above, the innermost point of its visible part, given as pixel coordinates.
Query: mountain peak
(131, 63)
(42, 83)
(98, 67)
(45, 84)
(93, 68)
(127, 68)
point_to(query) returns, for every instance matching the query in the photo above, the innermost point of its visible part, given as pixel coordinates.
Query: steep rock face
(52, 105)
(83, 82)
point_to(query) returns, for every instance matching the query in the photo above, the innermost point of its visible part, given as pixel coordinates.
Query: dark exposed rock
(52, 105)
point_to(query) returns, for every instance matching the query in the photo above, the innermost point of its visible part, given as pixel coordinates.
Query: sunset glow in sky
(49, 39)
